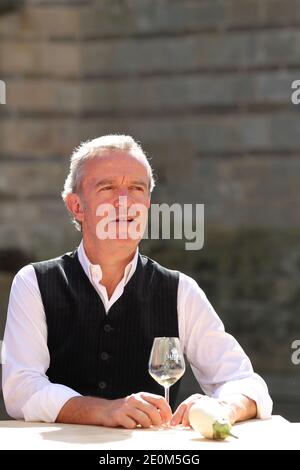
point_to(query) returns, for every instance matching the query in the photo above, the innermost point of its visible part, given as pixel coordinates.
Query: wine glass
(166, 363)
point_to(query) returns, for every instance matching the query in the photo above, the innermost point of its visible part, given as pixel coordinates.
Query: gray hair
(91, 149)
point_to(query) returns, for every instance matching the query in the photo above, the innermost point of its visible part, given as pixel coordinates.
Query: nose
(123, 192)
(122, 199)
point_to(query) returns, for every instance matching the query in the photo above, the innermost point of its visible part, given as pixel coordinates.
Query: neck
(112, 261)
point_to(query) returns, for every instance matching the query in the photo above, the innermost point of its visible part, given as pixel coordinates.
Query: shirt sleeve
(27, 391)
(218, 362)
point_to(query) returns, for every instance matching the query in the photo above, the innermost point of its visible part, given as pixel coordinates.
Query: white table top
(276, 433)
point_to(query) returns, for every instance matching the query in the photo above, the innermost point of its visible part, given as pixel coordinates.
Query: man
(80, 327)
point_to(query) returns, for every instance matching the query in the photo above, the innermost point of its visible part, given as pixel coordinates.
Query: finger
(151, 410)
(140, 417)
(137, 401)
(181, 414)
(178, 415)
(185, 418)
(161, 404)
(127, 422)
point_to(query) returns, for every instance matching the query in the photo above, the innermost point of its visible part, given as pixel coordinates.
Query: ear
(75, 206)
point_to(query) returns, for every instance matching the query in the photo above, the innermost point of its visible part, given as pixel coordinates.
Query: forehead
(114, 163)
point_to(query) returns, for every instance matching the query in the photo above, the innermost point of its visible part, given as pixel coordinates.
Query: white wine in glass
(166, 363)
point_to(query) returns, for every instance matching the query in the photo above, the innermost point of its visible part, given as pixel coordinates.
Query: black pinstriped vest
(99, 354)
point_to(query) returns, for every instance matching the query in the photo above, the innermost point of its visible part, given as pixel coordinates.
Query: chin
(126, 242)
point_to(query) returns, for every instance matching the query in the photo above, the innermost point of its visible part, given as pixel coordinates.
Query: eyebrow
(111, 181)
(140, 183)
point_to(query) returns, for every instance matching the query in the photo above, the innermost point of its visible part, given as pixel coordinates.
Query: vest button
(102, 385)
(107, 328)
(104, 356)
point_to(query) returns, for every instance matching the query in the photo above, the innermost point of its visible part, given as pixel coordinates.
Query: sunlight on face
(115, 193)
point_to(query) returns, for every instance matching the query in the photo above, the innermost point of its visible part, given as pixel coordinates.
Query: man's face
(115, 197)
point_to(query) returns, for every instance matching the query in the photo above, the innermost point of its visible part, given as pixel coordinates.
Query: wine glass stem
(167, 395)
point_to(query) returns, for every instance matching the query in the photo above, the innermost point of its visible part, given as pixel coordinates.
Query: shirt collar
(94, 270)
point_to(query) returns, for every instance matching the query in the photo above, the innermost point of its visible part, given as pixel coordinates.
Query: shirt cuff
(252, 387)
(46, 404)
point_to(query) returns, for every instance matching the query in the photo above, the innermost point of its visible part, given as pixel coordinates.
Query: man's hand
(141, 408)
(145, 409)
(181, 415)
(237, 407)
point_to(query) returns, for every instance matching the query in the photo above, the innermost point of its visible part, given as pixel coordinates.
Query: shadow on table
(75, 434)
(86, 435)
(213, 442)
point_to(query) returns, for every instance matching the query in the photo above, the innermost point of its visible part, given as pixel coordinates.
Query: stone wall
(205, 86)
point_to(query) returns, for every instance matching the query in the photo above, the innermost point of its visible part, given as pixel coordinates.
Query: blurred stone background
(205, 86)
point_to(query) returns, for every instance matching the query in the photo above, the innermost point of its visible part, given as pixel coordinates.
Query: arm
(237, 407)
(27, 391)
(240, 407)
(141, 408)
(218, 362)
(28, 394)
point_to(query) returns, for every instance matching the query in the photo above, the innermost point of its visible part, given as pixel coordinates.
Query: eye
(137, 188)
(106, 188)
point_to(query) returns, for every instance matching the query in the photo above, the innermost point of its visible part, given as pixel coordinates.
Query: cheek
(142, 199)
(147, 202)
(90, 209)
(97, 201)
(103, 208)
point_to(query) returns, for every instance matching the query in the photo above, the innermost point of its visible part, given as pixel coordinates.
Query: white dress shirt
(218, 362)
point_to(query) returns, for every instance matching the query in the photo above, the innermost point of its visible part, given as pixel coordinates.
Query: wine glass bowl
(166, 362)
